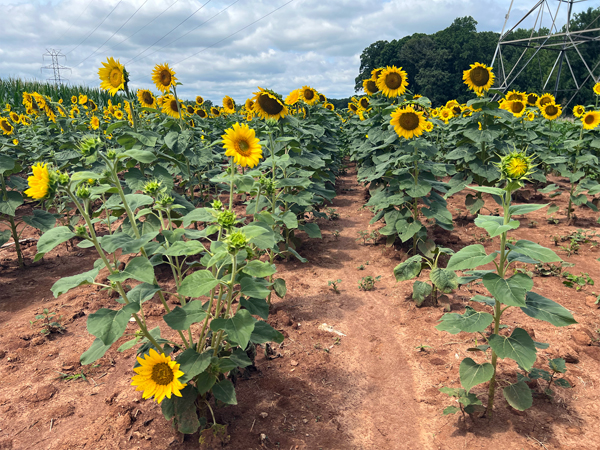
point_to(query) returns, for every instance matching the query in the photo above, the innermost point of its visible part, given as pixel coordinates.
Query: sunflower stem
(178, 108)
(231, 182)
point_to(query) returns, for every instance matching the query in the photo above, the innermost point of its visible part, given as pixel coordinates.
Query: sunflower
(189, 109)
(446, 114)
(551, 111)
(428, 126)
(451, 104)
(352, 107)
(40, 101)
(268, 105)
(532, 99)
(309, 95)
(171, 107)
(14, 117)
(199, 100)
(83, 99)
(364, 103)
(596, 88)
(163, 77)
(15, 142)
(516, 107)
(118, 114)
(24, 120)
(157, 376)
(74, 99)
(530, 116)
(516, 96)
(92, 105)
(590, 120)
(329, 106)
(249, 105)
(146, 98)
(392, 81)
(370, 87)
(375, 73)
(515, 166)
(112, 76)
(322, 98)
(408, 122)
(293, 97)
(39, 182)
(545, 99)
(434, 112)
(579, 110)
(95, 123)
(479, 78)
(201, 113)
(5, 126)
(242, 143)
(215, 111)
(228, 104)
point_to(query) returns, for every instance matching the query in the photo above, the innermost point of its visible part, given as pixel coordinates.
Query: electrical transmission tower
(55, 66)
(544, 37)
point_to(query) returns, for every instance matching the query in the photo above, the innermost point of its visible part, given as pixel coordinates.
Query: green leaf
(444, 279)
(193, 363)
(472, 374)
(279, 287)
(420, 291)
(535, 251)
(9, 206)
(259, 269)
(420, 190)
(495, 225)
(518, 396)
(488, 190)
(558, 365)
(510, 292)
(187, 248)
(182, 317)
(94, 353)
(42, 220)
(290, 220)
(138, 269)
(205, 382)
(239, 328)
(471, 321)
(406, 232)
(450, 410)
(109, 324)
(255, 287)
(256, 306)
(225, 392)
(6, 164)
(263, 332)
(142, 292)
(198, 284)
(518, 347)
(67, 283)
(474, 203)
(52, 238)
(542, 308)
(126, 243)
(183, 409)
(561, 382)
(470, 257)
(312, 229)
(408, 269)
(142, 156)
(240, 358)
(4, 237)
(515, 210)
(198, 215)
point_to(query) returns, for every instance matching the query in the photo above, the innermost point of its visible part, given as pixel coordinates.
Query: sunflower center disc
(589, 119)
(456, 109)
(545, 101)
(393, 80)
(551, 110)
(308, 94)
(147, 97)
(409, 121)
(162, 374)
(190, 110)
(517, 107)
(531, 99)
(371, 86)
(174, 106)
(115, 77)
(202, 113)
(480, 76)
(270, 105)
(243, 148)
(165, 78)
(364, 103)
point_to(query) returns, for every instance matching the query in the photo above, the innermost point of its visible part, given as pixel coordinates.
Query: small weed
(334, 285)
(332, 214)
(368, 236)
(556, 366)
(552, 221)
(335, 234)
(73, 376)
(532, 224)
(423, 348)
(50, 322)
(577, 282)
(368, 283)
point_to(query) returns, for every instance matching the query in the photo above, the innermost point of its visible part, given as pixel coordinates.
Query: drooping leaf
(67, 283)
(225, 392)
(472, 374)
(518, 346)
(420, 291)
(263, 332)
(193, 363)
(471, 321)
(470, 257)
(408, 269)
(94, 353)
(444, 279)
(518, 396)
(543, 308)
(509, 291)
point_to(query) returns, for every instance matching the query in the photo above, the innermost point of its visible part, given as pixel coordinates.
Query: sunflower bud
(80, 231)
(267, 184)
(152, 187)
(217, 205)
(89, 145)
(515, 167)
(111, 154)
(226, 219)
(236, 241)
(83, 192)
(165, 200)
(63, 179)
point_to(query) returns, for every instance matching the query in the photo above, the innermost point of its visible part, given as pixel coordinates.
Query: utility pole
(55, 66)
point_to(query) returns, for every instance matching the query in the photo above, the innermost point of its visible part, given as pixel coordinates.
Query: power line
(76, 20)
(112, 35)
(192, 30)
(173, 29)
(92, 32)
(233, 34)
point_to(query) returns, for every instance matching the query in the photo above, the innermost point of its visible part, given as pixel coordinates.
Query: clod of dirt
(590, 300)
(581, 338)
(293, 363)
(42, 394)
(264, 415)
(592, 352)
(2, 354)
(283, 318)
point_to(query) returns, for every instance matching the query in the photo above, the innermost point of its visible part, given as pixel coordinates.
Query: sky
(227, 47)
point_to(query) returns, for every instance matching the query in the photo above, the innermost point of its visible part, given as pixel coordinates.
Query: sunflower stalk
(13, 225)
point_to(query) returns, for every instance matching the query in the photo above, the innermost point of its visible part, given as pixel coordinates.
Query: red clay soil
(374, 387)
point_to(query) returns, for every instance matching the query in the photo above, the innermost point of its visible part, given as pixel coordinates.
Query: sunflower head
(392, 81)
(293, 97)
(596, 88)
(353, 107)
(170, 106)
(6, 126)
(309, 95)
(42, 182)
(532, 99)
(479, 78)
(241, 143)
(163, 77)
(201, 113)
(579, 110)
(408, 122)
(249, 105)
(446, 114)
(146, 98)
(590, 120)
(516, 96)
(157, 376)
(375, 73)
(545, 99)
(515, 166)
(228, 104)
(370, 86)
(14, 117)
(269, 105)
(215, 111)
(199, 100)
(329, 106)
(551, 111)
(364, 103)
(428, 126)
(516, 107)
(322, 98)
(113, 77)
(94, 123)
